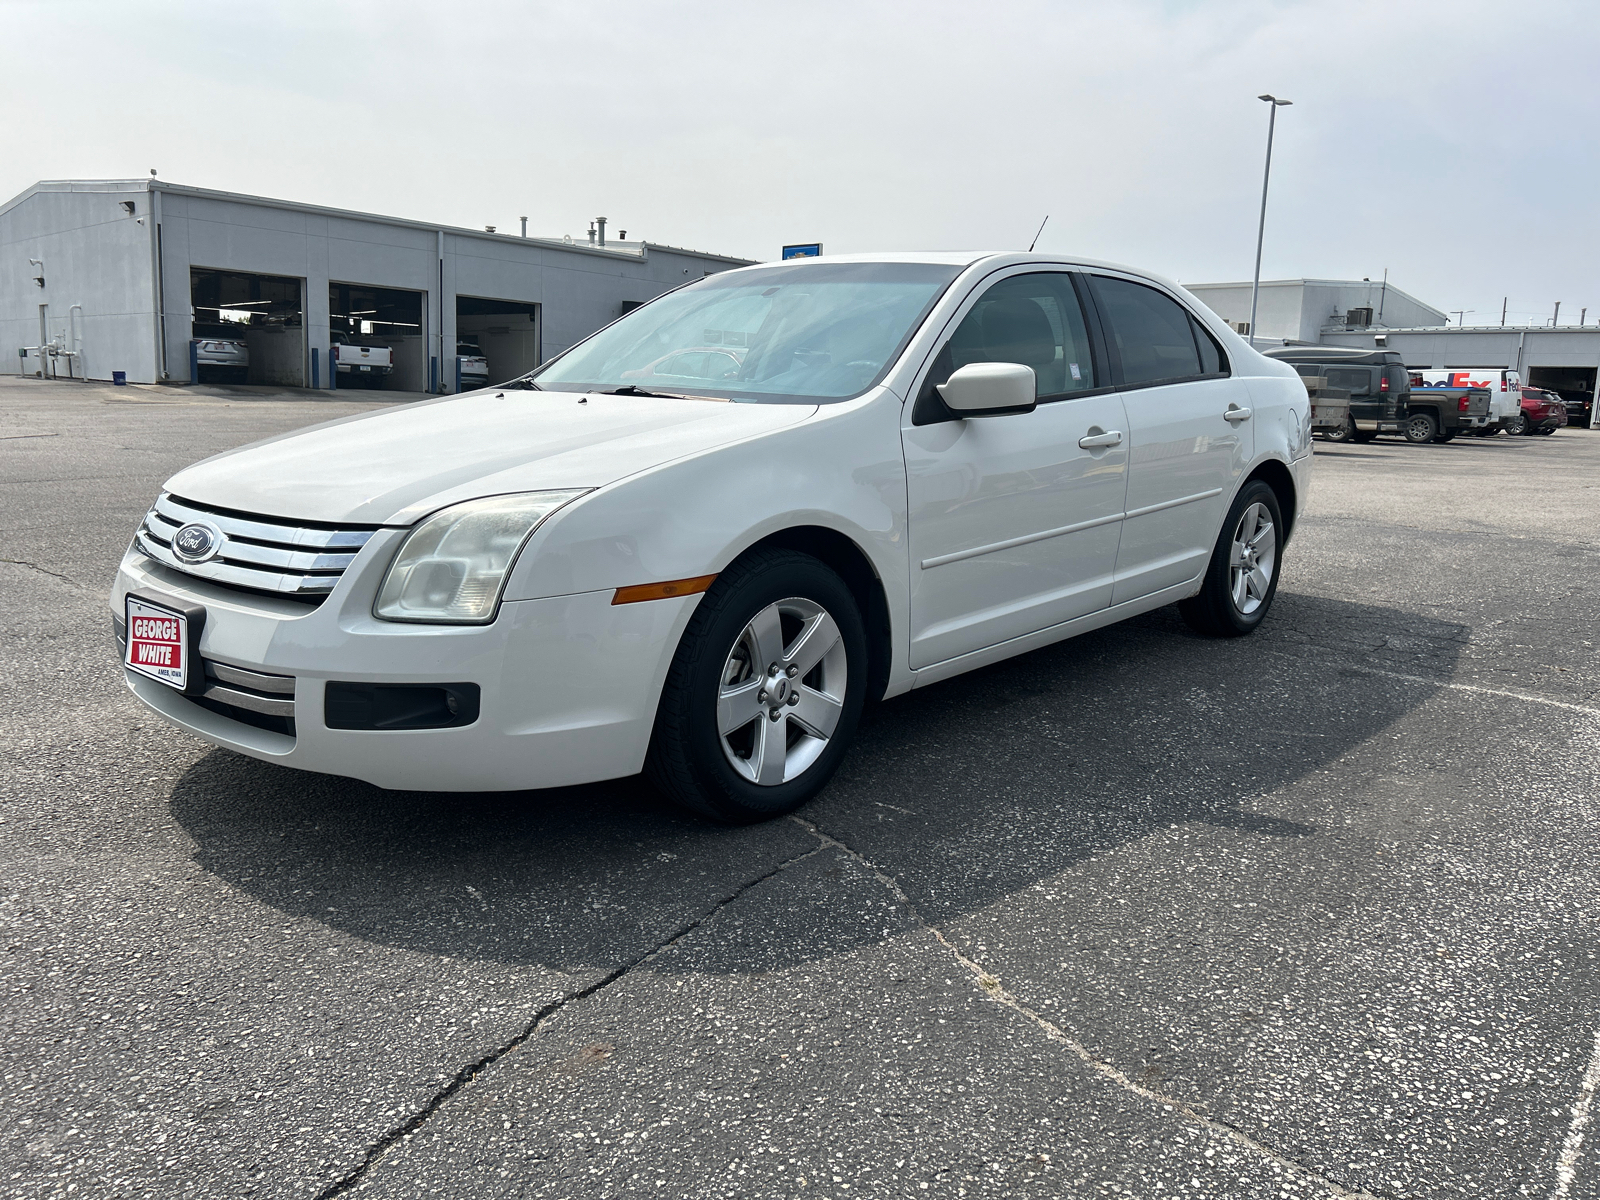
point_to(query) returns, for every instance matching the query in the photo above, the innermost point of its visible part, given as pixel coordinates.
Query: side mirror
(990, 389)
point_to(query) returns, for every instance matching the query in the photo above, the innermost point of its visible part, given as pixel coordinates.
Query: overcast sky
(1453, 142)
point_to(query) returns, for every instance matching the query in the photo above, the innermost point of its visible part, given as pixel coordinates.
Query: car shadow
(966, 792)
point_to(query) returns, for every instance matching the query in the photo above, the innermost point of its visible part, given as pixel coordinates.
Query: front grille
(251, 697)
(302, 560)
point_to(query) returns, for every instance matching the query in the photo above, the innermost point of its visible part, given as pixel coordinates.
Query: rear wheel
(764, 692)
(1344, 433)
(1421, 428)
(1242, 577)
(1517, 424)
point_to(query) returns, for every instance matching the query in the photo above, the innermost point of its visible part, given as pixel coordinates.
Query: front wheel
(764, 693)
(1242, 577)
(1517, 424)
(1421, 428)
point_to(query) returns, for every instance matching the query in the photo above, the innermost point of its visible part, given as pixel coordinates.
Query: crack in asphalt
(18, 562)
(469, 1073)
(992, 989)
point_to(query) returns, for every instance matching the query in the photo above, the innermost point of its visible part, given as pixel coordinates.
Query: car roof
(995, 259)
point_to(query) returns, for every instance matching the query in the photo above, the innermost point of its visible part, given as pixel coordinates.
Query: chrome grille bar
(262, 554)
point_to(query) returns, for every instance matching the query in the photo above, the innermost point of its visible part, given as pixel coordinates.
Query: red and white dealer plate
(158, 643)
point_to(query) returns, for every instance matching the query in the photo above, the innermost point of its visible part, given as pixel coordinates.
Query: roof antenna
(1035, 241)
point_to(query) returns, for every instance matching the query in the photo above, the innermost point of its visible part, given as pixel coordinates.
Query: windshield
(797, 334)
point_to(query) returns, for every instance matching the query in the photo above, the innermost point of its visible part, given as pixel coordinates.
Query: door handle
(1096, 440)
(1236, 414)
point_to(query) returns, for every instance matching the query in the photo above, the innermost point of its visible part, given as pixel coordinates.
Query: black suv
(1377, 381)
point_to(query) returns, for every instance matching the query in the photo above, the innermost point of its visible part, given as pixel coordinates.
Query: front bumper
(569, 684)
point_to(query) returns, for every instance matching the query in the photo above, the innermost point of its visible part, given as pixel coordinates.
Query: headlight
(452, 567)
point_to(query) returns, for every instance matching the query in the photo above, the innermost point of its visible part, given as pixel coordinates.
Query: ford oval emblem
(197, 542)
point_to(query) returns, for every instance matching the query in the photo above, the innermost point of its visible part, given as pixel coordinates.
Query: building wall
(95, 255)
(98, 256)
(1300, 309)
(1506, 349)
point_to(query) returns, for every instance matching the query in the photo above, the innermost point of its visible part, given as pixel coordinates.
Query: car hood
(396, 465)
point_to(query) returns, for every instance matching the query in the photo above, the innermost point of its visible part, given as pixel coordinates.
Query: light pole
(1261, 229)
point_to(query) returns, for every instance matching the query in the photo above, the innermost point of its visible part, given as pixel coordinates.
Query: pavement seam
(469, 1073)
(1567, 1163)
(990, 986)
(1479, 689)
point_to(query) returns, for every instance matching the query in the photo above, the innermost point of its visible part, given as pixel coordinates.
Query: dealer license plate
(364, 367)
(158, 643)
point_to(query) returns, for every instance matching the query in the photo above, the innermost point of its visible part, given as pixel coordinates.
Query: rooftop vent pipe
(524, 226)
(601, 223)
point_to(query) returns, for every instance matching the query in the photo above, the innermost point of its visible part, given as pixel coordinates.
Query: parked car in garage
(472, 368)
(924, 464)
(363, 364)
(1376, 380)
(1542, 411)
(222, 359)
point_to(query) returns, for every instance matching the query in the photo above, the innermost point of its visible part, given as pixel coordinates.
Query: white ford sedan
(894, 469)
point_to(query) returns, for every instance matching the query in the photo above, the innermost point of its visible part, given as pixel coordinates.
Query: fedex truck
(1505, 390)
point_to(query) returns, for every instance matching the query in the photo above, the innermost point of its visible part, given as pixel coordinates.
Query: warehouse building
(99, 277)
(1309, 312)
(1299, 310)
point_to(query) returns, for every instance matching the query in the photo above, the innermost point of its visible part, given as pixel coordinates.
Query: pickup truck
(1376, 382)
(355, 361)
(1437, 414)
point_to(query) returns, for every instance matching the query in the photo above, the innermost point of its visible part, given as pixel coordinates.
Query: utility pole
(1261, 228)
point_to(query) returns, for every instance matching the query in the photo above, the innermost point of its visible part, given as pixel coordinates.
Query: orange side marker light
(661, 591)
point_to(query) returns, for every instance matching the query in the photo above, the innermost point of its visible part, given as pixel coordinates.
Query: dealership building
(1377, 315)
(99, 277)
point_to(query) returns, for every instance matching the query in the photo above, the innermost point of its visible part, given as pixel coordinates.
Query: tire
(1362, 436)
(771, 604)
(1517, 424)
(1544, 432)
(1445, 437)
(1345, 433)
(1232, 600)
(1421, 428)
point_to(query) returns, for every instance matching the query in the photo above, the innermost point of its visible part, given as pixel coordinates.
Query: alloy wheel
(1252, 558)
(782, 691)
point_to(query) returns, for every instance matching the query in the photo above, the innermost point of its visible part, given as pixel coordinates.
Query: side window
(1034, 320)
(1212, 360)
(1356, 381)
(1153, 333)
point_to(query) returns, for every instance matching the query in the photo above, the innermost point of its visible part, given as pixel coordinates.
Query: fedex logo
(1474, 377)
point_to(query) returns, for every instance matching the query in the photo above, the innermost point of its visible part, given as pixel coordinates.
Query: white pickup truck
(354, 361)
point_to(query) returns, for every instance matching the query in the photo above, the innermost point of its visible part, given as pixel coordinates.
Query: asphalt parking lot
(1311, 913)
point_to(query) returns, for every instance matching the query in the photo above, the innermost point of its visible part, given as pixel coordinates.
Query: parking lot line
(1530, 697)
(1567, 1163)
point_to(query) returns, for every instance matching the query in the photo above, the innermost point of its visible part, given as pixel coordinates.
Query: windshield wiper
(526, 385)
(631, 390)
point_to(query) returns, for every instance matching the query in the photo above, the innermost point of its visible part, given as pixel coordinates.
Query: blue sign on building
(809, 250)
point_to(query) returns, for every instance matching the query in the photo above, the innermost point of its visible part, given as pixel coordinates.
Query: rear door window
(1152, 333)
